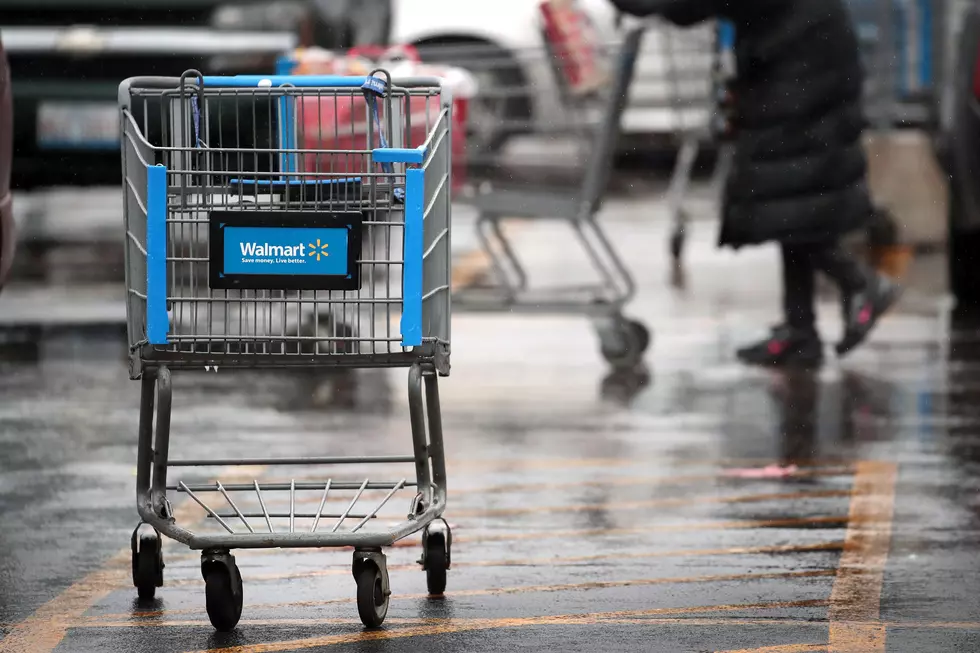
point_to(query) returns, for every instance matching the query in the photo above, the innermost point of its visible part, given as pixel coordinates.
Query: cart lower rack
(236, 257)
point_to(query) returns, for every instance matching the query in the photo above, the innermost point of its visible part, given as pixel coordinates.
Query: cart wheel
(372, 604)
(147, 550)
(436, 564)
(641, 332)
(223, 593)
(624, 347)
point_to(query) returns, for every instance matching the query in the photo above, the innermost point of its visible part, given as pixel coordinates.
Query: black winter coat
(799, 170)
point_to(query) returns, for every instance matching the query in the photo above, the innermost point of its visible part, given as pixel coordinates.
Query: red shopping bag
(573, 41)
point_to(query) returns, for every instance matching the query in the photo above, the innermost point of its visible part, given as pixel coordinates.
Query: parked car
(958, 144)
(68, 57)
(8, 237)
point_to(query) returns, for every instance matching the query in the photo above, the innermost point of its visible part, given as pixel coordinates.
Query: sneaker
(785, 347)
(863, 309)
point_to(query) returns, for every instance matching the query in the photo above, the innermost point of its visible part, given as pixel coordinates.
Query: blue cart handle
(275, 81)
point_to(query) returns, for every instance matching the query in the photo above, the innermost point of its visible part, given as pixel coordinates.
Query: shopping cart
(233, 250)
(587, 91)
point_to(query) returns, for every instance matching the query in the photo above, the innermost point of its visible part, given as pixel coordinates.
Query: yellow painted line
(782, 648)
(130, 620)
(458, 626)
(650, 503)
(551, 561)
(855, 600)
(43, 631)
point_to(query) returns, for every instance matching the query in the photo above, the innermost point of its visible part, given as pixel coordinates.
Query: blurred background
(67, 57)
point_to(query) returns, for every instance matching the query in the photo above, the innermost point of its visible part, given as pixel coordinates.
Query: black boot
(786, 347)
(863, 309)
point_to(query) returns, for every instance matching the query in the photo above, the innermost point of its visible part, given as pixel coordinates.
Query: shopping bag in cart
(317, 117)
(575, 45)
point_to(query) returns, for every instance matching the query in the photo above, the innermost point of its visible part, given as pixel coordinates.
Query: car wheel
(963, 252)
(502, 107)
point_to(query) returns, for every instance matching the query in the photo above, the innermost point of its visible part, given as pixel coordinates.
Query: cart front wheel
(436, 564)
(223, 592)
(372, 603)
(147, 553)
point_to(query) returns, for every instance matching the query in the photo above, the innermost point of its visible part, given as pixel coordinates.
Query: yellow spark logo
(318, 250)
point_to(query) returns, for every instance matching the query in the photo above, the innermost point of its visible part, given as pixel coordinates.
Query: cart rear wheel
(624, 346)
(436, 564)
(223, 593)
(372, 603)
(147, 563)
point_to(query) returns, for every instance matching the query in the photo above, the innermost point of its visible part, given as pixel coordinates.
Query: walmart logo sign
(285, 250)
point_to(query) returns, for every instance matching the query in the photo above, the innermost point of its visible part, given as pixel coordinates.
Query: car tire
(963, 253)
(502, 108)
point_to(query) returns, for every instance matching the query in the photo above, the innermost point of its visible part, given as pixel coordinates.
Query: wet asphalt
(591, 511)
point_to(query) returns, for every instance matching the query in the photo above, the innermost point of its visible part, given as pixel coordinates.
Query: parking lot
(693, 505)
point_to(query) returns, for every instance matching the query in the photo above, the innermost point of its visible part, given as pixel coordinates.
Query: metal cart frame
(623, 341)
(174, 183)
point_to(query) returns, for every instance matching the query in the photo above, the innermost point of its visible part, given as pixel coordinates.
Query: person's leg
(799, 290)
(865, 295)
(795, 342)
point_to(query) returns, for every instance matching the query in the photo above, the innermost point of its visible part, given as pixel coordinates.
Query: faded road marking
(44, 630)
(122, 622)
(782, 648)
(855, 601)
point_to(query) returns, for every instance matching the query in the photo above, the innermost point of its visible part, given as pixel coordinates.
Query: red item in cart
(339, 123)
(569, 33)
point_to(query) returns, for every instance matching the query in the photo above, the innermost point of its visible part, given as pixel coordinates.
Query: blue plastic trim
(411, 322)
(399, 154)
(726, 36)
(299, 81)
(925, 44)
(157, 321)
(285, 66)
(287, 135)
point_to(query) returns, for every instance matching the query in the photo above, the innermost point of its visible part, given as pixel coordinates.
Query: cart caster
(436, 557)
(223, 590)
(373, 593)
(147, 549)
(625, 343)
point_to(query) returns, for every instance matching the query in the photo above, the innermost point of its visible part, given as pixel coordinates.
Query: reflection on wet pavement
(590, 511)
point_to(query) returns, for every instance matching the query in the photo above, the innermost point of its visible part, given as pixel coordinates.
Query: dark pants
(800, 262)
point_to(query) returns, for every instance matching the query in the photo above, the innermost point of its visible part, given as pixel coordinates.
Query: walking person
(798, 176)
